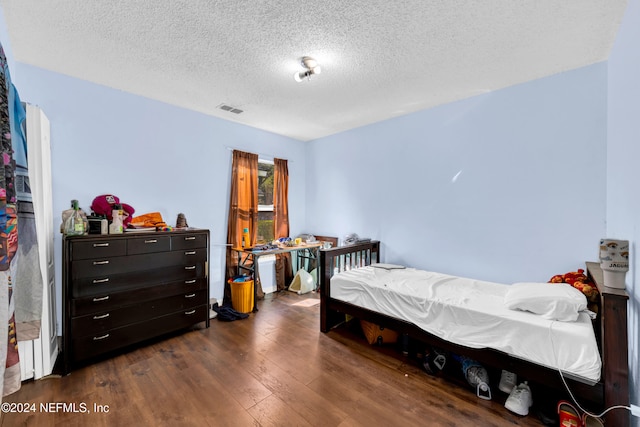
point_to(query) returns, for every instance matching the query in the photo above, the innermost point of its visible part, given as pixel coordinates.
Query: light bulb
(309, 62)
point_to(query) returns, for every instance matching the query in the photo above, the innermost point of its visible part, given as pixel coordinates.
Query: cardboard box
(376, 334)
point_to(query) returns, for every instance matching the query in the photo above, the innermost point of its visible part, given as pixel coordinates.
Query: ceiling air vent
(230, 109)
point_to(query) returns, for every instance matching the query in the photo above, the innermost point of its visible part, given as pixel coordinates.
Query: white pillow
(554, 301)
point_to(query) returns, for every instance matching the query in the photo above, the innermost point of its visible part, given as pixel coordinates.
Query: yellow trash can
(242, 295)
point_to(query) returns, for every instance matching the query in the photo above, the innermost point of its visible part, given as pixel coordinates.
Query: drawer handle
(101, 299)
(100, 262)
(190, 282)
(101, 338)
(190, 267)
(190, 296)
(190, 253)
(151, 241)
(186, 312)
(100, 280)
(190, 238)
(100, 245)
(104, 316)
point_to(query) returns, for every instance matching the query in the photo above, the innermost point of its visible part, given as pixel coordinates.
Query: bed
(591, 353)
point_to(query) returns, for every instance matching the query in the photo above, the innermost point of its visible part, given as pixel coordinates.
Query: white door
(45, 348)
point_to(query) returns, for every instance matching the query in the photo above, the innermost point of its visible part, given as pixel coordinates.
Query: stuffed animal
(580, 281)
(103, 206)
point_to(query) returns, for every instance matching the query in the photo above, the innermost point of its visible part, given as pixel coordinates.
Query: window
(265, 201)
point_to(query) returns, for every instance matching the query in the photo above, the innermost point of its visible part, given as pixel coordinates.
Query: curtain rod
(260, 155)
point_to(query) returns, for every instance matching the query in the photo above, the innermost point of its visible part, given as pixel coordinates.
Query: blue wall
(507, 186)
(623, 173)
(153, 156)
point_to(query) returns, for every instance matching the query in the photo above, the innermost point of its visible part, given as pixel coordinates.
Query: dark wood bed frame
(610, 327)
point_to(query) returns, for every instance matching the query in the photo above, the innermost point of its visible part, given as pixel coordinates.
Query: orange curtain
(284, 272)
(243, 209)
(280, 198)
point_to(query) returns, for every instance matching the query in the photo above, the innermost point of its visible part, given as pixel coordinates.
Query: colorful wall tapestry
(27, 278)
(8, 238)
(20, 274)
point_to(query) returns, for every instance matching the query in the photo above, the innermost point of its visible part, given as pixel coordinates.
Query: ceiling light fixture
(312, 68)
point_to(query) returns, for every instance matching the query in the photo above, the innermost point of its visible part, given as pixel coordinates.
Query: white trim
(43, 351)
(261, 156)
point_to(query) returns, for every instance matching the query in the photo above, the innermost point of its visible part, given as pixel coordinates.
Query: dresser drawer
(108, 283)
(99, 267)
(102, 321)
(98, 248)
(93, 345)
(114, 300)
(188, 241)
(148, 244)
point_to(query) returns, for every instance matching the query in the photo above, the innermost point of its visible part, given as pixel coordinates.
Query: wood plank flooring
(273, 369)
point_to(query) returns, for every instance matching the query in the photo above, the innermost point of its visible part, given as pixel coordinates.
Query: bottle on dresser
(75, 224)
(116, 226)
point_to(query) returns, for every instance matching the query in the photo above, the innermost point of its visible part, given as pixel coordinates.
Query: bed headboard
(611, 330)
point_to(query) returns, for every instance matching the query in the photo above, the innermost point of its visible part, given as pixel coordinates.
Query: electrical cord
(575, 401)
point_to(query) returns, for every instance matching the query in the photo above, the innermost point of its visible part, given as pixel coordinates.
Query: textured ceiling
(379, 58)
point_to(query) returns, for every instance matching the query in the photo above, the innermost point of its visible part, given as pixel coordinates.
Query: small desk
(304, 251)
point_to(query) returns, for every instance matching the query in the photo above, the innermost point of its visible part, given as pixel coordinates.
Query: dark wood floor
(273, 369)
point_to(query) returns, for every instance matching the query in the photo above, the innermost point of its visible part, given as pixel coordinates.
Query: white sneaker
(520, 400)
(508, 381)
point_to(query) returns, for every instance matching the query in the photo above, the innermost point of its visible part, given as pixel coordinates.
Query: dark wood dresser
(122, 289)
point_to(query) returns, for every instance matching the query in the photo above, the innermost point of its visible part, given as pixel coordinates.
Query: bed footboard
(339, 259)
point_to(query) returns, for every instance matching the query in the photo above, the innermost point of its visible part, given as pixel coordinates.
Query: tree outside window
(265, 201)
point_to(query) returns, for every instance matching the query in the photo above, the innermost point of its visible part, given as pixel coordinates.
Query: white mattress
(471, 313)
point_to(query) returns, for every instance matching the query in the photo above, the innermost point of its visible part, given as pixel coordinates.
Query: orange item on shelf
(153, 219)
